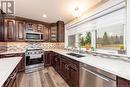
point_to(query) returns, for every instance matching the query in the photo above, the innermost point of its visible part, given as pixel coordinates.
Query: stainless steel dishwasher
(94, 77)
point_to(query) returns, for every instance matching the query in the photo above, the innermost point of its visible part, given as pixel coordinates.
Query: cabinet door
(53, 33)
(14, 84)
(73, 75)
(39, 28)
(35, 28)
(48, 59)
(29, 26)
(1, 29)
(122, 82)
(46, 33)
(64, 69)
(61, 31)
(56, 62)
(20, 28)
(10, 31)
(21, 65)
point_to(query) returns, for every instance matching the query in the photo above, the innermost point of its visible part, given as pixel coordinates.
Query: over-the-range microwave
(33, 36)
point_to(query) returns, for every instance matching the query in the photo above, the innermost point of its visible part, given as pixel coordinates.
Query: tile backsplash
(22, 46)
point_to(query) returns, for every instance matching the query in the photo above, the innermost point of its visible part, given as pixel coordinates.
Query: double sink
(75, 55)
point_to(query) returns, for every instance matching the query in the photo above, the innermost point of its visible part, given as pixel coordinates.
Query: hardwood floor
(47, 77)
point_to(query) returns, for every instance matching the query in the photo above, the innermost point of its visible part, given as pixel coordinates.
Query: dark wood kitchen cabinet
(21, 65)
(13, 29)
(122, 82)
(20, 30)
(9, 30)
(12, 79)
(61, 31)
(40, 28)
(1, 29)
(16, 76)
(56, 62)
(53, 32)
(48, 56)
(57, 32)
(46, 33)
(70, 71)
(66, 67)
(74, 74)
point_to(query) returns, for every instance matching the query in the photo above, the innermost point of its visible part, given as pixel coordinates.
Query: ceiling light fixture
(44, 15)
(76, 12)
(78, 9)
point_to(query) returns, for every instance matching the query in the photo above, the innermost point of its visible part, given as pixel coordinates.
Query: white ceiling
(54, 9)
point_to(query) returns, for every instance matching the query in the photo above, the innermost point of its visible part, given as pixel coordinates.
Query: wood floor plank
(57, 78)
(47, 77)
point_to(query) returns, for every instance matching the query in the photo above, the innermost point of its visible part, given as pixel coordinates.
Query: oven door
(32, 60)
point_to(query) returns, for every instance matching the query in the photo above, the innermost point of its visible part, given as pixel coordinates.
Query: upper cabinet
(61, 31)
(20, 30)
(53, 32)
(46, 33)
(57, 32)
(15, 30)
(9, 30)
(1, 30)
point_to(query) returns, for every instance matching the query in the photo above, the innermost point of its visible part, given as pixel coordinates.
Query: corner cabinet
(57, 32)
(61, 31)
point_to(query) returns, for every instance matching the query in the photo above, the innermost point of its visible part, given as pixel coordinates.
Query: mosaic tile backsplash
(22, 46)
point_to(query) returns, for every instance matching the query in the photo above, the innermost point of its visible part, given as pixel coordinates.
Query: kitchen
(73, 43)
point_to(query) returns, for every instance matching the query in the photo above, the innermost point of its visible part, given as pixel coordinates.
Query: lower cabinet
(67, 68)
(56, 62)
(64, 69)
(74, 75)
(15, 77)
(48, 56)
(11, 81)
(122, 82)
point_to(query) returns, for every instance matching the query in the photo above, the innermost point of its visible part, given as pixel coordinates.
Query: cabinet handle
(13, 75)
(67, 66)
(55, 59)
(8, 81)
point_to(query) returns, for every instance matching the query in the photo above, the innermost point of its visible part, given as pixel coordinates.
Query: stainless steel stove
(34, 60)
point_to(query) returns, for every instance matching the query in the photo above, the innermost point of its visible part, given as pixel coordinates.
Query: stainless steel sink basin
(75, 55)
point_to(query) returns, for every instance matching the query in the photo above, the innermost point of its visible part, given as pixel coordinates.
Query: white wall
(128, 28)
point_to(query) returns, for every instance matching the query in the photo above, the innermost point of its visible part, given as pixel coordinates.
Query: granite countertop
(115, 66)
(11, 52)
(7, 65)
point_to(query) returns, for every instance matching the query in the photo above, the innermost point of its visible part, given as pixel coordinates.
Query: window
(111, 37)
(71, 41)
(85, 40)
